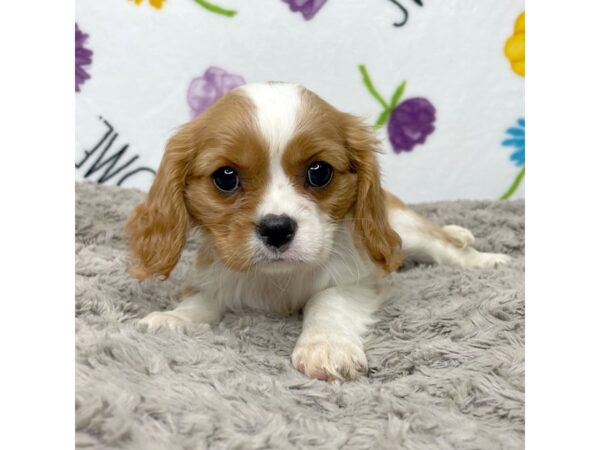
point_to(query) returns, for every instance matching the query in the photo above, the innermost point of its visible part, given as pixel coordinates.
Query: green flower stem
(369, 85)
(383, 118)
(216, 9)
(387, 112)
(513, 187)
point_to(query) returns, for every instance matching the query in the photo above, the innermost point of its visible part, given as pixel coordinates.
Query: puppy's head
(268, 173)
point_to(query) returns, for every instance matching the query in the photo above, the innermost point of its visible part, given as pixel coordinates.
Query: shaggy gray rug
(446, 357)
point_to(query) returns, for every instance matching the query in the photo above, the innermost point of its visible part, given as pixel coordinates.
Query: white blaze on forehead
(280, 196)
(277, 111)
(277, 107)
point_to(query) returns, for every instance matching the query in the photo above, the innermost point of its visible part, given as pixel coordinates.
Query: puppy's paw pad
(328, 360)
(159, 320)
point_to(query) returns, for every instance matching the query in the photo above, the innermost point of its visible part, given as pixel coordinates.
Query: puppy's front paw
(329, 358)
(159, 320)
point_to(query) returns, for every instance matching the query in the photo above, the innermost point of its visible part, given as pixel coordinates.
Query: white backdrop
(138, 58)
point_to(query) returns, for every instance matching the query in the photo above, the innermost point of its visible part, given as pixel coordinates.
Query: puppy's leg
(424, 241)
(194, 308)
(335, 320)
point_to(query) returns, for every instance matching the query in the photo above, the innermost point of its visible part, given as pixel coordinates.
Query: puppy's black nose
(277, 231)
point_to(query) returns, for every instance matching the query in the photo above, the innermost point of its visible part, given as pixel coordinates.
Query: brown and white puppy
(286, 192)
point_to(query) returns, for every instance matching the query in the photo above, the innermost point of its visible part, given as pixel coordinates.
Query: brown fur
(371, 226)
(183, 193)
(157, 229)
(350, 147)
(319, 137)
(228, 219)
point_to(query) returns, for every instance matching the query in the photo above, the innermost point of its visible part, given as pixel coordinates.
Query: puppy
(286, 192)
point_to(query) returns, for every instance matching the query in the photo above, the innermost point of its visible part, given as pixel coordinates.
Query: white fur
(282, 291)
(322, 272)
(338, 296)
(277, 106)
(335, 321)
(311, 243)
(418, 244)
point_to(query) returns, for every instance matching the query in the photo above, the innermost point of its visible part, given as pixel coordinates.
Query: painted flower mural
(516, 141)
(208, 88)
(83, 58)
(514, 49)
(155, 3)
(204, 3)
(216, 9)
(409, 123)
(308, 8)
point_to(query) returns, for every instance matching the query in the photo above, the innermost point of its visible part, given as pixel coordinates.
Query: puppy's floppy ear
(371, 227)
(157, 228)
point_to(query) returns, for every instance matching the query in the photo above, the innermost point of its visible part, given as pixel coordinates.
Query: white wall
(450, 52)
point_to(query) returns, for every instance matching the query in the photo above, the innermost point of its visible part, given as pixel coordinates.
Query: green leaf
(397, 95)
(216, 9)
(383, 118)
(513, 187)
(370, 87)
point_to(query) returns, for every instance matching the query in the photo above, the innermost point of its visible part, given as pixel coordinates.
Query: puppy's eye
(226, 179)
(319, 174)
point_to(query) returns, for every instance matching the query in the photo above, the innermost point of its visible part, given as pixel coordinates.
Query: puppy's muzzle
(277, 232)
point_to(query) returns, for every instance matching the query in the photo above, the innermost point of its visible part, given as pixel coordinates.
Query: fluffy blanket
(446, 357)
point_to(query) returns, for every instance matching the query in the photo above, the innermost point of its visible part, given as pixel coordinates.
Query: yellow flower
(156, 3)
(514, 49)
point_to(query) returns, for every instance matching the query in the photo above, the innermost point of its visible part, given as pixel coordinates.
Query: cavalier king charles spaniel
(285, 190)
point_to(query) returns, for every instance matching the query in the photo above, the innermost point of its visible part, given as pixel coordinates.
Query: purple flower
(308, 8)
(83, 57)
(410, 123)
(210, 87)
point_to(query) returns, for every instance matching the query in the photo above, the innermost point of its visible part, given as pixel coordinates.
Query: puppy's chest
(279, 293)
(271, 293)
(283, 294)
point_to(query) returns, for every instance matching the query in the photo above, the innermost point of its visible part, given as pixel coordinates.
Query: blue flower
(517, 141)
